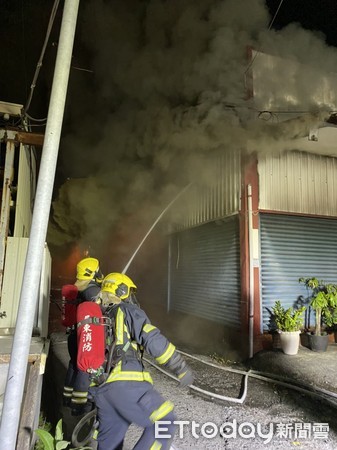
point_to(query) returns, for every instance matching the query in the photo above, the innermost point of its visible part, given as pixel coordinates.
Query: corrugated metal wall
(14, 266)
(298, 182)
(205, 272)
(16, 251)
(26, 192)
(204, 202)
(293, 247)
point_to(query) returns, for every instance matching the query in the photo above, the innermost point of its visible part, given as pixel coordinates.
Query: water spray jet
(154, 224)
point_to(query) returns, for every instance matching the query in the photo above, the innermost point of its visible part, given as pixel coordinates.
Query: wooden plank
(4, 359)
(38, 346)
(28, 138)
(31, 407)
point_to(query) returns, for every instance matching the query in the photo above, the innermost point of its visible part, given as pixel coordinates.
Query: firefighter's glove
(186, 378)
(178, 365)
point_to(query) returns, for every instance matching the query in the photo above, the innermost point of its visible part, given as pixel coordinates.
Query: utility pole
(31, 278)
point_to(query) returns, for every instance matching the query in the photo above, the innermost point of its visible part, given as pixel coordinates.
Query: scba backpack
(91, 337)
(70, 303)
(97, 349)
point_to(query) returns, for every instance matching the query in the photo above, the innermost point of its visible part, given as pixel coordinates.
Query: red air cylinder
(90, 336)
(69, 305)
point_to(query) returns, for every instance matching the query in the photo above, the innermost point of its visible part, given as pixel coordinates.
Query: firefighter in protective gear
(88, 277)
(127, 394)
(75, 392)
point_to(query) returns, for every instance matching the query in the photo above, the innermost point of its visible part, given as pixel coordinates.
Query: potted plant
(332, 329)
(272, 330)
(324, 303)
(329, 314)
(289, 323)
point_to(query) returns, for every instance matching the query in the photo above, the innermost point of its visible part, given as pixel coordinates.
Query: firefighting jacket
(133, 334)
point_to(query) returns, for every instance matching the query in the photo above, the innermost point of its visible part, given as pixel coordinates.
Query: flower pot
(276, 341)
(304, 339)
(318, 343)
(290, 342)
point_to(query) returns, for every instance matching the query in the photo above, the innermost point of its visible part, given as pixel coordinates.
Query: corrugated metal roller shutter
(205, 270)
(293, 247)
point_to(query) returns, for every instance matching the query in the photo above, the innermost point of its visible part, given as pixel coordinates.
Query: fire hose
(90, 423)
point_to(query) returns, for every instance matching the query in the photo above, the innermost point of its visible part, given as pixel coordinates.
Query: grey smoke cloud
(168, 93)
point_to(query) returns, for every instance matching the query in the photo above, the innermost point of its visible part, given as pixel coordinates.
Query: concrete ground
(266, 402)
(313, 368)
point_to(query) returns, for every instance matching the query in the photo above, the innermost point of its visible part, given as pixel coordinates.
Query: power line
(273, 19)
(270, 25)
(40, 61)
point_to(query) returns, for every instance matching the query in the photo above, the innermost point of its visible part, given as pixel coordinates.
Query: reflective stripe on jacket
(133, 332)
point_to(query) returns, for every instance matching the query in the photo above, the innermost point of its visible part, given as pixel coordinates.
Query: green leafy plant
(330, 312)
(289, 319)
(43, 425)
(323, 301)
(50, 442)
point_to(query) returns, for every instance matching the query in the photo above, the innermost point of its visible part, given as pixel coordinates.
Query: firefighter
(127, 394)
(75, 392)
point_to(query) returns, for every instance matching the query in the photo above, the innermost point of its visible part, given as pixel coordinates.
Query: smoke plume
(170, 88)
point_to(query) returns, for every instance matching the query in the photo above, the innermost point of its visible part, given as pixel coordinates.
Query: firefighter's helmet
(118, 284)
(88, 269)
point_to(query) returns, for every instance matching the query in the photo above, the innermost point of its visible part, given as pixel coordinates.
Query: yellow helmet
(88, 269)
(119, 285)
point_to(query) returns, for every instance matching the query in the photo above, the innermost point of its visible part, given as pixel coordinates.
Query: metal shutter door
(205, 272)
(293, 247)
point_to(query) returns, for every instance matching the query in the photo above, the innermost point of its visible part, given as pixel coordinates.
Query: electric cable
(37, 125)
(35, 120)
(269, 27)
(40, 61)
(273, 19)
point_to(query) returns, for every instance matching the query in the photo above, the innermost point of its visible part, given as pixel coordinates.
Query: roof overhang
(13, 109)
(321, 141)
